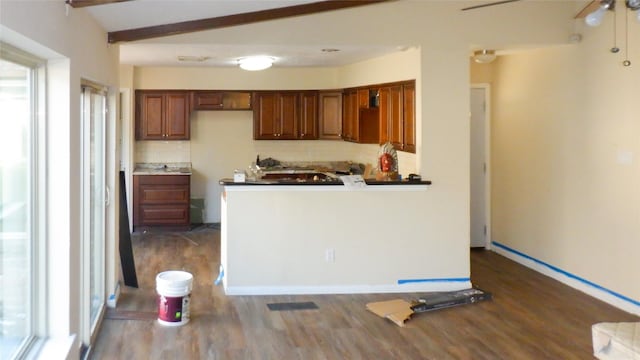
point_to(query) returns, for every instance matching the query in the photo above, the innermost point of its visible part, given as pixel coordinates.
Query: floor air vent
(307, 305)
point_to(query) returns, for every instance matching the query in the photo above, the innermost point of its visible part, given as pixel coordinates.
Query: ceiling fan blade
(488, 4)
(588, 9)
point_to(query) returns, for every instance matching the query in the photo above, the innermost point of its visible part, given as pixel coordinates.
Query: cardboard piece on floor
(397, 310)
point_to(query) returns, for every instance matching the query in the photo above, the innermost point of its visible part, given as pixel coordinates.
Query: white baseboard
(610, 297)
(430, 286)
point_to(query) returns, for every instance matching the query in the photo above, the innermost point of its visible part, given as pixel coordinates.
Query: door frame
(487, 157)
(88, 328)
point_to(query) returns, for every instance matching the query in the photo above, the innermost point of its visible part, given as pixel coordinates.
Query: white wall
(275, 241)
(76, 48)
(566, 155)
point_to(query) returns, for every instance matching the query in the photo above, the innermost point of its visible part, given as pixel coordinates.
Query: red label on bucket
(173, 309)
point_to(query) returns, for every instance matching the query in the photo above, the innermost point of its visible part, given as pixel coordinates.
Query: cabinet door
(176, 113)
(288, 116)
(308, 115)
(149, 116)
(396, 132)
(385, 98)
(208, 100)
(409, 117)
(349, 116)
(363, 98)
(265, 116)
(330, 115)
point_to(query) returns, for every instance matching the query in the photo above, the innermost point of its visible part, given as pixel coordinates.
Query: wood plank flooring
(530, 317)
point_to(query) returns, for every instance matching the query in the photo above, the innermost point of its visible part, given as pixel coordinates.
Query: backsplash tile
(312, 150)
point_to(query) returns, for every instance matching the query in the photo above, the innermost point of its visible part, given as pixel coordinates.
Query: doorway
(479, 166)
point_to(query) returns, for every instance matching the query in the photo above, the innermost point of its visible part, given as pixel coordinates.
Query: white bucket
(174, 296)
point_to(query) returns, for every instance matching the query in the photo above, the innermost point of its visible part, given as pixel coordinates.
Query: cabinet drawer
(163, 194)
(164, 215)
(162, 179)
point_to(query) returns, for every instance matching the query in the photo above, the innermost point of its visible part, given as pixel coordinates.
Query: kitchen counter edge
(230, 182)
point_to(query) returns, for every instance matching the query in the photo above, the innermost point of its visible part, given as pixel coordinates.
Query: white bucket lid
(174, 279)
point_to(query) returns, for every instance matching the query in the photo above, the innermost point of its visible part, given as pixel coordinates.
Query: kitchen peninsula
(326, 238)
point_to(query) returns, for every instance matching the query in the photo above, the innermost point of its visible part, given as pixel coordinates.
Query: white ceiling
(142, 13)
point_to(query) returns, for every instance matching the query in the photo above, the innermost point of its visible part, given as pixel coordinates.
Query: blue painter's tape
(409, 281)
(567, 274)
(220, 276)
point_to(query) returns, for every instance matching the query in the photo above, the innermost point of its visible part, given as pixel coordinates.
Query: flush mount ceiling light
(255, 63)
(484, 56)
(595, 18)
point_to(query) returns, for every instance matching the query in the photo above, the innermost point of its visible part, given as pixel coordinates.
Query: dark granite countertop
(230, 182)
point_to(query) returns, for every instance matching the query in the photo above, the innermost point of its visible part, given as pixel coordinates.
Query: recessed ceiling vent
(191, 58)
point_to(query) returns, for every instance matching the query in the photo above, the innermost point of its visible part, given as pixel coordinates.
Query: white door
(478, 167)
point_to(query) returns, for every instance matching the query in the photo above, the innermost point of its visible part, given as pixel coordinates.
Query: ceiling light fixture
(595, 18)
(484, 56)
(255, 63)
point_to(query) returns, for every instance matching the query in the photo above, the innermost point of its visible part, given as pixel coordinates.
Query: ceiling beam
(85, 3)
(588, 9)
(234, 20)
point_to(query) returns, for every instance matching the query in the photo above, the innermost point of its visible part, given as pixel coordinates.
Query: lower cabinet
(161, 200)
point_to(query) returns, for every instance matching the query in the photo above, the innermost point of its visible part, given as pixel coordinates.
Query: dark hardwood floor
(530, 317)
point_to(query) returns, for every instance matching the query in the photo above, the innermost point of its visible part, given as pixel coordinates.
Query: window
(20, 76)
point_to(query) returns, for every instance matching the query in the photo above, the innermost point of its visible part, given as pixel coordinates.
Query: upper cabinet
(207, 100)
(397, 115)
(162, 115)
(308, 115)
(285, 115)
(330, 115)
(349, 114)
(409, 117)
(360, 120)
(373, 114)
(220, 100)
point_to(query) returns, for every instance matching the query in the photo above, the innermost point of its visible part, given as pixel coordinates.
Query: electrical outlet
(330, 255)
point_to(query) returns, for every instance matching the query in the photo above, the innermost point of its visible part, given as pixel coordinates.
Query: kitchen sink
(300, 176)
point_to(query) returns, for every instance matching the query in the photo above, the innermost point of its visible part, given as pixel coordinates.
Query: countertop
(230, 182)
(183, 168)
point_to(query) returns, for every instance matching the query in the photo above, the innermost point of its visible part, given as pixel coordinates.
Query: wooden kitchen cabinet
(308, 115)
(409, 117)
(330, 115)
(162, 115)
(349, 114)
(359, 124)
(285, 115)
(397, 115)
(220, 100)
(363, 98)
(161, 200)
(207, 100)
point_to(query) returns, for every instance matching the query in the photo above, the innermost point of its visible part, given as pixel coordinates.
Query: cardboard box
(398, 311)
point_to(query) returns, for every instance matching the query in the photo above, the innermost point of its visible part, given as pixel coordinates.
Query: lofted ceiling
(129, 22)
